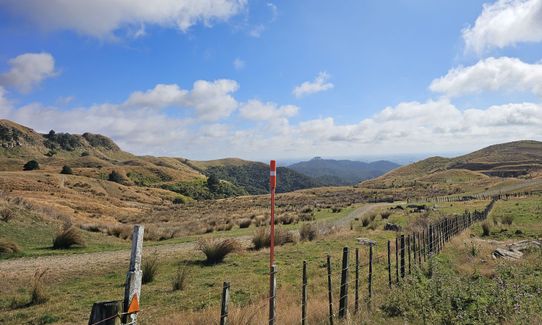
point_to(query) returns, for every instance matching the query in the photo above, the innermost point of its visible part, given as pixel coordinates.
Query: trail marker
(134, 305)
(272, 186)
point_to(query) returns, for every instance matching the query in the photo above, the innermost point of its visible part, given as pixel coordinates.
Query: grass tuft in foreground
(216, 250)
(68, 238)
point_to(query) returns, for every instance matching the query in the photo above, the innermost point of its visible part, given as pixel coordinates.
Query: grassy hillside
(342, 172)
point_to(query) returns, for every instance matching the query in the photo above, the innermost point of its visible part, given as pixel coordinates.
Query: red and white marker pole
(272, 186)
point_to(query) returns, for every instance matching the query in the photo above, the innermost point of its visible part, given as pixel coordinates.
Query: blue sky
(218, 78)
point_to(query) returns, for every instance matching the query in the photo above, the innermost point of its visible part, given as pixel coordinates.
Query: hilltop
(342, 172)
(512, 160)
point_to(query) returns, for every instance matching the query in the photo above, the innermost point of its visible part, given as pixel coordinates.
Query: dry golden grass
(8, 247)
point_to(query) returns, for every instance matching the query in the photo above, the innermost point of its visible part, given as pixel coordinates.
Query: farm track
(61, 266)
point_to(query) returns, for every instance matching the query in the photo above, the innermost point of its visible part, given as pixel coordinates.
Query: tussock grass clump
(508, 220)
(486, 229)
(38, 293)
(385, 214)
(308, 231)
(365, 221)
(179, 278)
(262, 237)
(120, 231)
(216, 250)
(68, 238)
(245, 223)
(9, 247)
(91, 227)
(150, 269)
(6, 214)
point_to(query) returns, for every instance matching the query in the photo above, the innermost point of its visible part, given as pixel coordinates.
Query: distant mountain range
(342, 172)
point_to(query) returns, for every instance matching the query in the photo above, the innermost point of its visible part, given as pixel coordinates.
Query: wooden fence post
(409, 246)
(304, 295)
(356, 295)
(397, 259)
(132, 289)
(370, 279)
(389, 264)
(224, 303)
(329, 290)
(402, 256)
(105, 313)
(272, 294)
(343, 298)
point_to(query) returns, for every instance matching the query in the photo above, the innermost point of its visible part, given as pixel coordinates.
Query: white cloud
(211, 100)
(238, 64)
(28, 71)
(491, 74)
(320, 83)
(505, 23)
(102, 18)
(257, 31)
(257, 111)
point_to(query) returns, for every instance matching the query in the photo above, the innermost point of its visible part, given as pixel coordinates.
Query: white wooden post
(133, 277)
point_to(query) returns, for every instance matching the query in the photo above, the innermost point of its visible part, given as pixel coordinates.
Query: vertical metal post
(370, 280)
(272, 294)
(389, 264)
(402, 256)
(356, 295)
(133, 277)
(397, 259)
(224, 304)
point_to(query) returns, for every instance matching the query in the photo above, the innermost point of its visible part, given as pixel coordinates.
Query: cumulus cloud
(211, 100)
(491, 74)
(28, 71)
(258, 111)
(505, 23)
(320, 83)
(102, 18)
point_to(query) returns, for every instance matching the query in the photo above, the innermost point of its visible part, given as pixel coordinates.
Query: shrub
(116, 177)
(8, 247)
(262, 237)
(38, 293)
(385, 214)
(68, 238)
(308, 231)
(67, 170)
(365, 221)
(149, 268)
(216, 250)
(31, 165)
(286, 219)
(508, 220)
(245, 223)
(306, 216)
(6, 214)
(336, 210)
(179, 278)
(486, 229)
(179, 200)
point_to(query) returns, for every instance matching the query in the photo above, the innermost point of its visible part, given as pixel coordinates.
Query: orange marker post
(272, 186)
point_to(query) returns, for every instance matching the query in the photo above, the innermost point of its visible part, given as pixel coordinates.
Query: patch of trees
(117, 177)
(64, 141)
(31, 165)
(212, 188)
(254, 178)
(66, 170)
(98, 140)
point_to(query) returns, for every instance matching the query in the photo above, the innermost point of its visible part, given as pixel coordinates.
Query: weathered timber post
(389, 264)
(272, 294)
(414, 248)
(304, 294)
(409, 247)
(329, 290)
(224, 303)
(397, 259)
(132, 289)
(370, 279)
(356, 294)
(343, 298)
(105, 313)
(402, 256)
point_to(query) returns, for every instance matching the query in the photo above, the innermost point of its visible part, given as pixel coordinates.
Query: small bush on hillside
(245, 223)
(120, 231)
(216, 250)
(149, 268)
(306, 216)
(336, 210)
(486, 229)
(66, 170)
(385, 214)
(179, 200)
(179, 278)
(68, 238)
(38, 293)
(116, 177)
(365, 221)
(6, 214)
(9, 247)
(507, 220)
(308, 231)
(31, 165)
(85, 154)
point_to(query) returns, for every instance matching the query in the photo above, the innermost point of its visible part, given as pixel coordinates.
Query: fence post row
(329, 290)
(370, 280)
(356, 295)
(304, 294)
